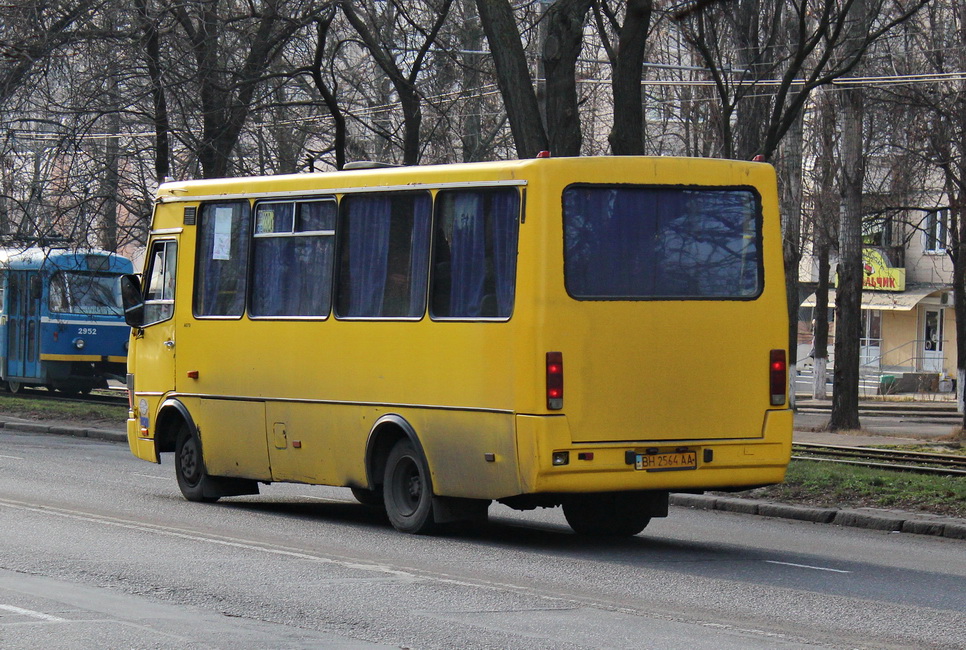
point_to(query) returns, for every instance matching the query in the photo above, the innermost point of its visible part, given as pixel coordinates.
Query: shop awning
(887, 300)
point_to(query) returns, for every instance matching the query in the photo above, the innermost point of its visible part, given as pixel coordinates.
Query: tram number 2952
(87, 331)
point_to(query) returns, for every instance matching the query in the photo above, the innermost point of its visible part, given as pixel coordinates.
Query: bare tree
(936, 46)
(31, 30)
(232, 46)
(627, 63)
(373, 27)
(513, 76)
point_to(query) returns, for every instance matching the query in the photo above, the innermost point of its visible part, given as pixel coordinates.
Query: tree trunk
(820, 332)
(957, 209)
(627, 135)
(848, 303)
(752, 111)
(329, 95)
(565, 30)
(513, 77)
(151, 50)
(791, 208)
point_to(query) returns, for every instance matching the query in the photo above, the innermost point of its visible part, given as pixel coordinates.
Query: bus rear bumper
(551, 463)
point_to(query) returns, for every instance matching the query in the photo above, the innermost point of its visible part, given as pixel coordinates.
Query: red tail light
(555, 391)
(778, 372)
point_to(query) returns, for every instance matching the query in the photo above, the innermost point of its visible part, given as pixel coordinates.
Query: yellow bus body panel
(297, 400)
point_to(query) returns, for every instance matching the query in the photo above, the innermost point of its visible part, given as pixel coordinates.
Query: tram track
(901, 460)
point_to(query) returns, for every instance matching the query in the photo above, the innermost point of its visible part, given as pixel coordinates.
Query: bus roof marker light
(555, 386)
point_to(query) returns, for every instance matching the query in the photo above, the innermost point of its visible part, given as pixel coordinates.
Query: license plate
(667, 462)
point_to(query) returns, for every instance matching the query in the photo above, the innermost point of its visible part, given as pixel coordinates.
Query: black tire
(615, 514)
(408, 490)
(371, 498)
(14, 387)
(189, 467)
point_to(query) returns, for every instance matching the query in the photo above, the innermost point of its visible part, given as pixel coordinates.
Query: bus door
(23, 325)
(155, 372)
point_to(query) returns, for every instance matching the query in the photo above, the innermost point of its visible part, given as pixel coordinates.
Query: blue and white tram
(61, 321)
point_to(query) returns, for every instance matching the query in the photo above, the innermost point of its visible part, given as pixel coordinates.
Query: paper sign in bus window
(221, 249)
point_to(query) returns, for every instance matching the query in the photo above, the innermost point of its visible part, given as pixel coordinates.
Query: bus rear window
(636, 243)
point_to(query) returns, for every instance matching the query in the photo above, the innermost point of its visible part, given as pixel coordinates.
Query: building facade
(908, 320)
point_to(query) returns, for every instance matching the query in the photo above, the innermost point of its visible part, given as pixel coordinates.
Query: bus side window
(221, 270)
(475, 253)
(384, 255)
(159, 292)
(292, 258)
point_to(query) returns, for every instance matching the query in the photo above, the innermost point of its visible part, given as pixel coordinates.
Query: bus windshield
(634, 242)
(85, 293)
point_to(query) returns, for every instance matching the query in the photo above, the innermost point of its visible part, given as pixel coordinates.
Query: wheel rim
(14, 386)
(188, 461)
(408, 487)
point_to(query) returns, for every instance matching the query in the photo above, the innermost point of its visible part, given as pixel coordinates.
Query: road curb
(60, 430)
(856, 518)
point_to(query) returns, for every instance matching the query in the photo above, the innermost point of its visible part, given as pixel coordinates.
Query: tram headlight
(79, 343)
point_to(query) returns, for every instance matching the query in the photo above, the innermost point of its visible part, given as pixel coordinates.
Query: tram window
(159, 292)
(475, 253)
(85, 293)
(384, 255)
(221, 270)
(292, 258)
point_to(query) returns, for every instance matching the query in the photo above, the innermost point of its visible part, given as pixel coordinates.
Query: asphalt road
(98, 549)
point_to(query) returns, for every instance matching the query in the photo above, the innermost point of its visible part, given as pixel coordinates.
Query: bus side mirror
(133, 300)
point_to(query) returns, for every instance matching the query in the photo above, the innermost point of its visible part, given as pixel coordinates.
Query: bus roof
(416, 176)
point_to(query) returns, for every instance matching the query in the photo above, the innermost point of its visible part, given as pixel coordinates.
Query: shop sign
(877, 275)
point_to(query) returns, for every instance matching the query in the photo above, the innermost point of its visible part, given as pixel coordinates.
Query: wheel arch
(172, 412)
(384, 434)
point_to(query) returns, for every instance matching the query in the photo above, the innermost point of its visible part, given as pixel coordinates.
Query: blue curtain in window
(468, 256)
(419, 262)
(368, 224)
(504, 213)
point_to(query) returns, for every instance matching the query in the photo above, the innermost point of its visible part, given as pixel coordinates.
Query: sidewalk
(872, 518)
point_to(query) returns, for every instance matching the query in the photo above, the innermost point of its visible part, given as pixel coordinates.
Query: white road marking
(33, 614)
(309, 496)
(807, 566)
(156, 478)
(401, 572)
(13, 457)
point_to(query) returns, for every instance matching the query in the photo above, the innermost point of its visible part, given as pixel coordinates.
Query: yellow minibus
(591, 333)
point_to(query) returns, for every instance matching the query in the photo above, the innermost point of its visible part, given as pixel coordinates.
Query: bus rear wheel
(408, 490)
(189, 467)
(615, 514)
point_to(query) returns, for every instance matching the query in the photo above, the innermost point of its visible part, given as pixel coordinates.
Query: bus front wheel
(615, 514)
(190, 468)
(408, 490)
